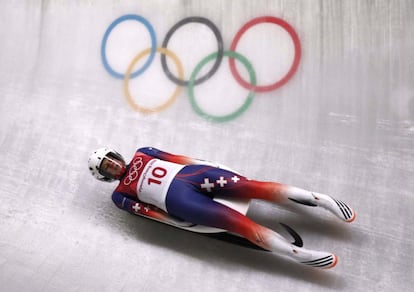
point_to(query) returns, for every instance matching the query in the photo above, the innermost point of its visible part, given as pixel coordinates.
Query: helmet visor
(112, 167)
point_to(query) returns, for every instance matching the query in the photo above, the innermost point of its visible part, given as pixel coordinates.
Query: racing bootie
(313, 199)
(295, 251)
(316, 259)
(335, 206)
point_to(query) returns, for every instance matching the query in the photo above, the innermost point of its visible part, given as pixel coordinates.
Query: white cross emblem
(207, 185)
(235, 179)
(137, 207)
(221, 181)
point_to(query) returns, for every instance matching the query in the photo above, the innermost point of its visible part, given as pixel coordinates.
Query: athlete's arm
(142, 209)
(180, 159)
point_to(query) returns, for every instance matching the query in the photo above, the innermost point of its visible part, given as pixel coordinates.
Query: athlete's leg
(215, 181)
(197, 208)
(285, 195)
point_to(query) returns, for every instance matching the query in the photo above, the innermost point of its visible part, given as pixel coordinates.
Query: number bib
(155, 180)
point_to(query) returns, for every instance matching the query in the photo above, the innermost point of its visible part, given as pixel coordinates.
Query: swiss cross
(137, 207)
(207, 185)
(235, 179)
(221, 181)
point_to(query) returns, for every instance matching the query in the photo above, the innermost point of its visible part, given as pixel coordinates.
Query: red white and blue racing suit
(166, 187)
(184, 188)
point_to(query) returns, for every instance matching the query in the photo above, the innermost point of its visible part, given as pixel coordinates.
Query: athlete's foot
(337, 207)
(316, 259)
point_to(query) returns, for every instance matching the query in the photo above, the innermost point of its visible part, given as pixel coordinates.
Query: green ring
(238, 111)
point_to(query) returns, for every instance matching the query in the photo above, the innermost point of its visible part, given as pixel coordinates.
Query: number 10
(157, 172)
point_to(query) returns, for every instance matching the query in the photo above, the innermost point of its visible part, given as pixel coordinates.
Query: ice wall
(342, 124)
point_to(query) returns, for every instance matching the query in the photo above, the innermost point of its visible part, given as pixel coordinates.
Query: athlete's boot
(335, 206)
(313, 199)
(316, 259)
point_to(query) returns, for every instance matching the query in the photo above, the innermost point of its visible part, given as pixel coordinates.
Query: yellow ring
(170, 101)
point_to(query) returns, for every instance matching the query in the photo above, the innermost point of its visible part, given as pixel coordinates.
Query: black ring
(216, 65)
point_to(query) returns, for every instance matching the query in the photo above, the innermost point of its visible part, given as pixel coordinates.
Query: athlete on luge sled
(174, 189)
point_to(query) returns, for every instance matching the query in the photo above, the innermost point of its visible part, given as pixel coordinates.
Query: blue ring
(105, 40)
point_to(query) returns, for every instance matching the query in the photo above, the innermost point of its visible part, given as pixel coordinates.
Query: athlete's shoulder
(147, 149)
(150, 151)
(126, 187)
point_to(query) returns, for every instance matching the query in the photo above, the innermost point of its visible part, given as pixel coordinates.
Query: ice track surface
(342, 125)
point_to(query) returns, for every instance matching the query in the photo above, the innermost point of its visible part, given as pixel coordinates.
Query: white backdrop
(342, 125)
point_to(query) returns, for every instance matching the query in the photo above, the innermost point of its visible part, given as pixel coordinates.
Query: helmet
(95, 161)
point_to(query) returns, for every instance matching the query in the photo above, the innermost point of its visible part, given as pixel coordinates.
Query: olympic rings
(293, 68)
(237, 112)
(128, 74)
(217, 55)
(216, 65)
(105, 40)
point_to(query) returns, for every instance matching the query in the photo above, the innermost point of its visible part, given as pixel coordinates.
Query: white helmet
(95, 160)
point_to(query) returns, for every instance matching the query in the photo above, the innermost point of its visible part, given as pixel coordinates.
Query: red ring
(293, 68)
